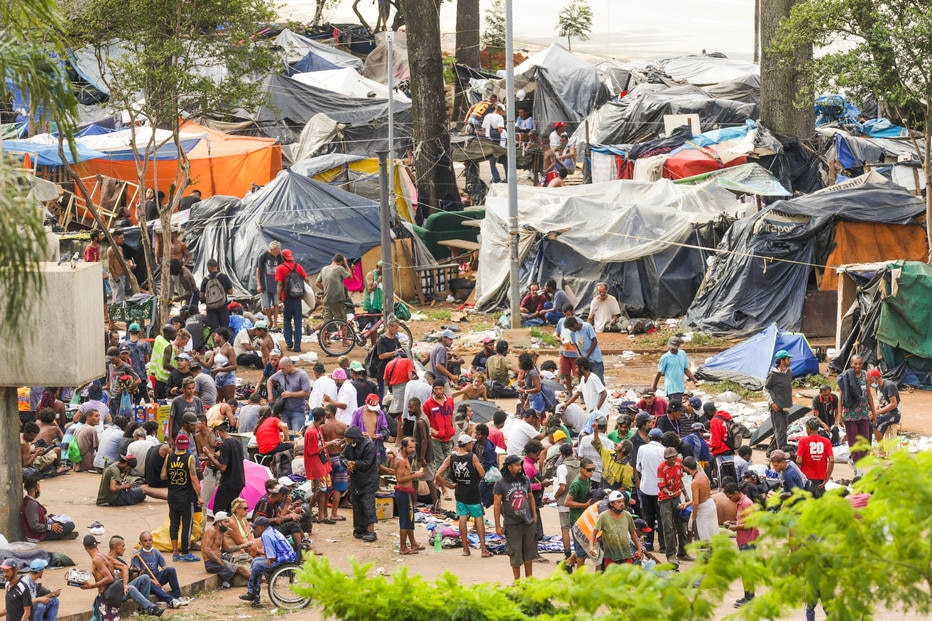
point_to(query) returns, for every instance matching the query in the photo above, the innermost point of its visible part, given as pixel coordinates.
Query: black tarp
(290, 105)
(312, 219)
(639, 115)
(762, 272)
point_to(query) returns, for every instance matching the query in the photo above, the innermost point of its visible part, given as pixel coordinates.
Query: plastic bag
(493, 475)
(74, 452)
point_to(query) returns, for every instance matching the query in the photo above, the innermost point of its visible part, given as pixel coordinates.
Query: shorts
(463, 509)
(269, 299)
(521, 543)
(131, 496)
(581, 552)
(322, 484)
(404, 504)
(225, 379)
(885, 421)
(338, 475)
(564, 519)
(334, 311)
(567, 366)
(225, 570)
(407, 427)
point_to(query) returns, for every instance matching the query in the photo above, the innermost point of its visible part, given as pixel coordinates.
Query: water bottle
(438, 540)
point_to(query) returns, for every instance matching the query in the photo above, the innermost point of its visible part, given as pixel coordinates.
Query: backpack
(215, 296)
(281, 464)
(733, 434)
(372, 363)
(294, 284)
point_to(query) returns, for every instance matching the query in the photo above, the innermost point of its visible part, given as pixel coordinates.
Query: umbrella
(766, 428)
(256, 476)
(482, 411)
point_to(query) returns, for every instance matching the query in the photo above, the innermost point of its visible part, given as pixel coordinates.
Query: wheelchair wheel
(281, 581)
(336, 337)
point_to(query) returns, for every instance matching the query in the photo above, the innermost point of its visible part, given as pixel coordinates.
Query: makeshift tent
(376, 67)
(748, 362)
(301, 54)
(766, 260)
(888, 322)
(629, 233)
(720, 77)
(349, 83)
(313, 220)
(220, 163)
(360, 175)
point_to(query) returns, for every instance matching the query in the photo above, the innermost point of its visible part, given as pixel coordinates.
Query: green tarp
(906, 310)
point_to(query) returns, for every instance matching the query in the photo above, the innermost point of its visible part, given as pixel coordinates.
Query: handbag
(321, 452)
(113, 594)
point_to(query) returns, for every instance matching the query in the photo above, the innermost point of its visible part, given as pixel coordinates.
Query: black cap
(90, 541)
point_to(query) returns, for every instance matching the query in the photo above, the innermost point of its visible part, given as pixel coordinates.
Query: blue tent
(748, 362)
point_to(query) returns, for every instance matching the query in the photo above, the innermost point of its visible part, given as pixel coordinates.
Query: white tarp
(295, 47)
(348, 82)
(615, 221)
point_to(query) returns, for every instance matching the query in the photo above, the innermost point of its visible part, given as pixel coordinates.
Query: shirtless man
(210, 550)
(333, 431)
(406, 495)
(100, 567)
(705, 514)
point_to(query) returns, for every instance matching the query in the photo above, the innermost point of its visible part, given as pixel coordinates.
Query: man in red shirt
(439, 411)
(398, 372)
(291, 301)
(533, 307)
(815, 458)
(670, 484)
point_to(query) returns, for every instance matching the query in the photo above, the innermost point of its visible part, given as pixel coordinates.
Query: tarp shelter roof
(349, 83)
(612, 222)
(310, 55)
(376, 67)
(312, 219)
(749, 362)
(760, 275)
(47, 153)
(744, 179)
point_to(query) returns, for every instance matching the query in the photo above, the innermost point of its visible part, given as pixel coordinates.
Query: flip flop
(419, 547)
(466, 553)
(487, 554)
(339, 518)
(409, 552)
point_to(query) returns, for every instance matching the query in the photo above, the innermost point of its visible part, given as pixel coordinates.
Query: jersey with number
(179, 478)
(814, 452)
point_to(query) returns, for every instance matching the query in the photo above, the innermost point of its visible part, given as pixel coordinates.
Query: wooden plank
(459, 244)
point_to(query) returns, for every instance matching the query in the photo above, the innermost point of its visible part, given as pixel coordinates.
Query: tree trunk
(782, 79)
(11, 474)
(467, 47)
(435, 179)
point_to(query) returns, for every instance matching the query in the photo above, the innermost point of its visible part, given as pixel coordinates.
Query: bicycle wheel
(404, 337)
(336, 337)
(281, 583)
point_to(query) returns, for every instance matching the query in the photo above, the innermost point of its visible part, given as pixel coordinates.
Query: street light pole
(513, 288)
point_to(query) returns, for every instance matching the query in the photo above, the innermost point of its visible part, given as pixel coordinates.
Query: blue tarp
(48, 153)
(749, 361)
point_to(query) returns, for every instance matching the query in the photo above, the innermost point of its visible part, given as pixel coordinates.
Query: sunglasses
(589, 469)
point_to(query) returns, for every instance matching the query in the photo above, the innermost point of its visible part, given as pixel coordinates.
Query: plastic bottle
(438, 540)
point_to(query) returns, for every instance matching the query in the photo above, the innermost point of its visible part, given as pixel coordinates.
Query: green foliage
(546, 337)
(438, 314)
(575, 20)
(493, 35)
(815, 381)
(738, 389)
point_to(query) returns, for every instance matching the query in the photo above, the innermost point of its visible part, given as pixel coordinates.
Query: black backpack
(294, 284)
(733, 434)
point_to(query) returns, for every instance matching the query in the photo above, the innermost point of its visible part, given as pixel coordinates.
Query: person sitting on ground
(211, 550)
(38, 523)
(284, 515)
(150, 562)
(114, 490)
(108, 451)
(45, 602)
(479, 361)
(603, 309)
(533, 307)
(559, 180)
(50, 434)
(87, 439)
(474, 390)
(238, 544)
(44, 461)
(276, 550)
(253, 345)
(137, 589)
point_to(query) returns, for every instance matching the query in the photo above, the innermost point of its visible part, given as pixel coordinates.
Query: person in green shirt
(622, 430)
(577, 496)
(114, 490)
(615, 529)
(372, 299)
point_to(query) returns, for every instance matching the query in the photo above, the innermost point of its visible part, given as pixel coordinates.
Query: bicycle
(281, 582)
(338, 337)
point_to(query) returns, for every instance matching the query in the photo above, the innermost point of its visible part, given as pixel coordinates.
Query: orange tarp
(220, 164)
(866, 242)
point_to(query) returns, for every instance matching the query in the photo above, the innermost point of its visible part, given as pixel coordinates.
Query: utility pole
(390, 39)
(513, 289)
(385, 219)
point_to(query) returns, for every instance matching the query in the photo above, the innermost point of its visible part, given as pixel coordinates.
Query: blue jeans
(494, 169)
(295, 419)
(292, 323)
(554, 316)
(45, 612)
(139, 591)
(259, 568)
(168, 576)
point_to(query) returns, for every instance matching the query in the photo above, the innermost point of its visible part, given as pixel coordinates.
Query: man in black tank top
(184, 492)
(465, 473)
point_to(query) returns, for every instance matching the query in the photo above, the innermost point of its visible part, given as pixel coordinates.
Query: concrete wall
(62, 330)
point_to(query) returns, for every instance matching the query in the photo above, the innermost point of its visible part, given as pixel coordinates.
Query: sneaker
(685, 557)
(175, 603)
(249, 597)
(369, 537)
(176, 557)
(184, 601)
(188, 558)
(224, 586)
(744, 600)
(155, 611)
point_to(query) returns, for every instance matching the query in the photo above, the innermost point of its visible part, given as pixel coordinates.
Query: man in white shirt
(345, 403)
(650, 456)
(323, 385)
(520, 432)
(603, 308)
(493, 127)
(139, 448)
(420, 389)
(593, 392)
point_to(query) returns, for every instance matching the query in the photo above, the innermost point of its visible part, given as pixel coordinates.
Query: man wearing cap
(440, 361)
(815, 458)
(181, 371)
(103, 576)
(44, 602)
(266, 267)
(119, 369)
(160, 364)
(276, 505)
(481, 358)
(330, 281)
(362, 462)
(18, 595)
(649, 459)
(615, 529)
(184, 405)
(219, 316)
(673, 365)
(253, 345)
(672, 420)
(114, 490)
(887, 415)
(439, 410)
(211, 550)
(670, 488)
(38, 524)
(514, 504)
(778, 388)
(465, 474)
(184, 491)
(291, 303)
(790, 476)
(371, 421)
(693, 412)
(229, 461)
(694, 444)
(652, 404)
(295, 389)
(363, 385)
(139, 350)
(276, 550)
(345, 401)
